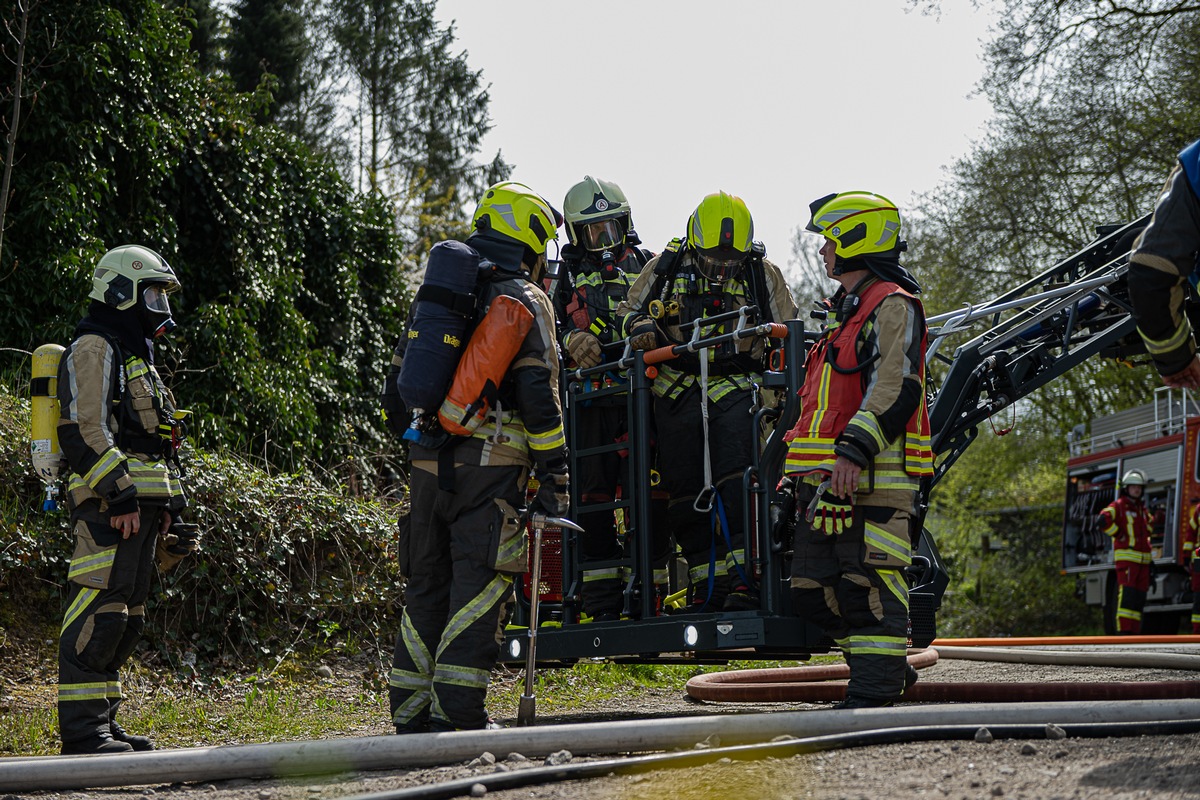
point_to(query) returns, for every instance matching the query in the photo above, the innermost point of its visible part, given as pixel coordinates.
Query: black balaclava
(125, 325)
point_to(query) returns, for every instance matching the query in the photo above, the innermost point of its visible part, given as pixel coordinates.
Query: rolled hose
(803, 684)
(333, 756)
(538, 776)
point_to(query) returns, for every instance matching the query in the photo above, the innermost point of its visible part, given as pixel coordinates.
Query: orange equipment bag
(491, 349)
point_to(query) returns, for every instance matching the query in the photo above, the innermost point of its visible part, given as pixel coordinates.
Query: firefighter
(717, 268)
(860, 447)
(1128, 522)
(116, 431)
(1191, 552)
(465, 540)
(600, 262)
(1162, 265)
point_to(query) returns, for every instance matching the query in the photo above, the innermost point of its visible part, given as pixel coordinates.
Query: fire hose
(810, 684)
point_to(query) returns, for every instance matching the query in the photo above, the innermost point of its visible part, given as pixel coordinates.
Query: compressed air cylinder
(44, 412)
(445, 310)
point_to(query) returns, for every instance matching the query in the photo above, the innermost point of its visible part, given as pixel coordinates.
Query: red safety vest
(1128, 522)
(829, 399)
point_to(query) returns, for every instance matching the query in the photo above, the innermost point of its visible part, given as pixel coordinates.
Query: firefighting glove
(829, 514)
(552, 494)
(584, 349)
(181, 540)
(643, 333)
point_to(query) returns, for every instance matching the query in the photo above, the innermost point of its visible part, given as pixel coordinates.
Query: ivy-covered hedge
(294, 284)
(286, 557)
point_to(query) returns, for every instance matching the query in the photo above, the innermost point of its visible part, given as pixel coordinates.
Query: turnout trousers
(863, 608)
(1133, 581)
(109, 581)
(459, 554)
(732, 441)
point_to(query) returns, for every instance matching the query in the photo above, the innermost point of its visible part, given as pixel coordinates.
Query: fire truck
(1160, 438)
(981, 359)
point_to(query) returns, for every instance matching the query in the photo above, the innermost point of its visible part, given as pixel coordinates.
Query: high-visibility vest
(829, 399)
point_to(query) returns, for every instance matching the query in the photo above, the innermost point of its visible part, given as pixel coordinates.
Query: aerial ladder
(988, 356)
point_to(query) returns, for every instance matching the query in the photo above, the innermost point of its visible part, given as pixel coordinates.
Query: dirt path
(1133, 767)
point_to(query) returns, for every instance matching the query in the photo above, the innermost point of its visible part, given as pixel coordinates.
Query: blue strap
(718, 514)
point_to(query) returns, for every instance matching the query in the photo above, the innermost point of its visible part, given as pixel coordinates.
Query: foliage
(267, 37)
(997, 518)
(1092, 103)
(293, 284)
(285, 557)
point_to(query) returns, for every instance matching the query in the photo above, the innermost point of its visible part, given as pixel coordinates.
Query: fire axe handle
(527, 707)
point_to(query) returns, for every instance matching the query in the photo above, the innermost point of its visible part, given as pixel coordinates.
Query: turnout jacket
(525, 426)
(864, 397)
(112, 406)
(1163, 262)
(588, 294)
(732, 366)
(1128, 522)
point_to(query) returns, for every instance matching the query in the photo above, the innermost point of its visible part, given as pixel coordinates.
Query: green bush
(287, 559)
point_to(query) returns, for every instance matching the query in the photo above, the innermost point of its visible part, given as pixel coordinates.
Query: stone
(324, 671)
(516, 757)
(478, 790)
(1028, 750)
(559, 758)
(984, 736)
(1055, 732)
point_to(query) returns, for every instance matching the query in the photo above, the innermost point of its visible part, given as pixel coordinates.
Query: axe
(527, 708)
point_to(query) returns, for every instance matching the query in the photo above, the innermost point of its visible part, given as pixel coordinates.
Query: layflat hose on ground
(800, 684)
(336, 756)
(539, 776)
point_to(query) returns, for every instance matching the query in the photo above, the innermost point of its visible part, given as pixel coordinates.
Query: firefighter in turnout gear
(1191, 536)
(599, 264)
(118, 433)
(1128, 522)
(860, 448)
(1161, 268)
(718, 268)
(464, 540)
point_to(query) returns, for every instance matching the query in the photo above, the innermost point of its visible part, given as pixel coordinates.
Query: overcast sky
(778, 101)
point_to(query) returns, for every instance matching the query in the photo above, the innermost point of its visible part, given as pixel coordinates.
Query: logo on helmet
(601, 204)
(836, 230)
(136, 265)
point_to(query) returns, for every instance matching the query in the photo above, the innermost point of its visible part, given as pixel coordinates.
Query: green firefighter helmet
(721, 231)
(513, 211)
(859, 223)
(597, 214)
(124, 273)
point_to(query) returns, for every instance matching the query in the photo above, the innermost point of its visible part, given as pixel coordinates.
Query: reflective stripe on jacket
(835, 404)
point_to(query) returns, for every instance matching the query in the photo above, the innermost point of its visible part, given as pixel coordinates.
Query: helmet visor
(720, 266)
(154, 297)
(602, 235)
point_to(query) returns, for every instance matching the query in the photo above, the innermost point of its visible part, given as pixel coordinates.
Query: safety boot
(910, 676)
(139, 743)
(742, 598)
(858, 701)
(97, 744)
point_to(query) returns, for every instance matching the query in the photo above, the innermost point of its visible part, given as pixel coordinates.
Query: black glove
(828, 513)
(180, 541)
(553, 491)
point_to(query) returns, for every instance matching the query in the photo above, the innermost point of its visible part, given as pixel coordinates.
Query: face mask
(155, 311)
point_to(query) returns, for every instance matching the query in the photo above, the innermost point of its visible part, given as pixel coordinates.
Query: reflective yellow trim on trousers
(896, 584)
(92, 563)
(113, 690)
(475, 609)
(1132, 556)
(68, 692)
(411, 708)
(878, 646)
(609, 574)
(416, 648)
(892, 545)
(82, 601)
(456, 675)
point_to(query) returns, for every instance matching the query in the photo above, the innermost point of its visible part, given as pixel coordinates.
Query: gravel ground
(1128, 767)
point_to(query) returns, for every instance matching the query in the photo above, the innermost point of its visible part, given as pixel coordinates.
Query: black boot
(98, 744)
(139, 743)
